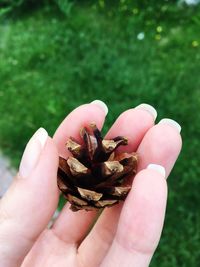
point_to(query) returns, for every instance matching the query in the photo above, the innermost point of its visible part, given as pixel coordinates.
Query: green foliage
(50, 64)
(65, 6)
(19, 6)
(12, 3)
(8, 5)
(17, 3)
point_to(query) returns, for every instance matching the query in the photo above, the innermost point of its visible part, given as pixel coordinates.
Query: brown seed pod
(95, 176)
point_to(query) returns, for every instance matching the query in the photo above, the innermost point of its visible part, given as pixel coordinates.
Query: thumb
(30, 202)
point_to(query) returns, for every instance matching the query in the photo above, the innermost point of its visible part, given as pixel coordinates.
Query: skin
(124, 235)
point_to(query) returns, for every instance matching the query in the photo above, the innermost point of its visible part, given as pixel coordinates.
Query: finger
(161, 145)
(133, 124)
(68, 220)
(140, 223)
(28, 205)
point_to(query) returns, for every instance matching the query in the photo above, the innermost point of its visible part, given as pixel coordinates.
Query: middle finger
(133, 124)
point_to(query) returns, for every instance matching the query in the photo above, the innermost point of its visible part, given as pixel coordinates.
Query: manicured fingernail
(172, 123)
(32, 152)
(157, 168)
(102, 105)
(149, 109)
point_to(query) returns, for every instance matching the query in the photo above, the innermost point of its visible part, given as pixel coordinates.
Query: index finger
(68, 220)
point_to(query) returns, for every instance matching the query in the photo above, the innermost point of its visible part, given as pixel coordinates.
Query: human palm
(125, 235)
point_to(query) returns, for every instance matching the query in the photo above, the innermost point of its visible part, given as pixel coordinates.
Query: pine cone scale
(89, 194)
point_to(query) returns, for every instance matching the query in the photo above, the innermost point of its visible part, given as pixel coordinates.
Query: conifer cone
(95, 176)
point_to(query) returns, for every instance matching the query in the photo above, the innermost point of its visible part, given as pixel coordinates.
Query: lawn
(123, 54)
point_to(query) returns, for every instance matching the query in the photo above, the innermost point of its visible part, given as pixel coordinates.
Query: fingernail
(101, 105)
(32, 152)
(172, 123)
(149, 109)
(157, 168)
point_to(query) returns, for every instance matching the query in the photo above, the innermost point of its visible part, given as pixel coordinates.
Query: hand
(124, 235)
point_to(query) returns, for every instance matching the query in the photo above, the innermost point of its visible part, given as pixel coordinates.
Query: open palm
(124, 235)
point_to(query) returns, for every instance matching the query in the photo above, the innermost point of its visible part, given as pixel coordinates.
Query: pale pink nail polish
(102, 105)
(32, 152)
(157, 168)
(172, 123)
(150, 109)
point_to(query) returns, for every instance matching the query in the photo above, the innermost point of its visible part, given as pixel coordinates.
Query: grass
(49, 64)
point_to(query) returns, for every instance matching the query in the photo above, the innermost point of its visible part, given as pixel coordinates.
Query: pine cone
(95, 176)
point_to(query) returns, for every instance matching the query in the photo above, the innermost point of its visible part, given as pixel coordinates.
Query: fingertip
(158, 168)
(101, 105)
(166, 130)
(74, 121)
(148, 108)
(132, 123)
(149, 183)
(161, 145)
(171, 123)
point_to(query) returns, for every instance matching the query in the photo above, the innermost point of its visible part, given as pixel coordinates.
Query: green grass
(49, 64)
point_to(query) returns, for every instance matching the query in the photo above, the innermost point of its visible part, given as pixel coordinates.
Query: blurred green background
(56, 55)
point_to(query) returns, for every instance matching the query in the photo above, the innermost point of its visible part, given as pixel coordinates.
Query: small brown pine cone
(95, 176)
